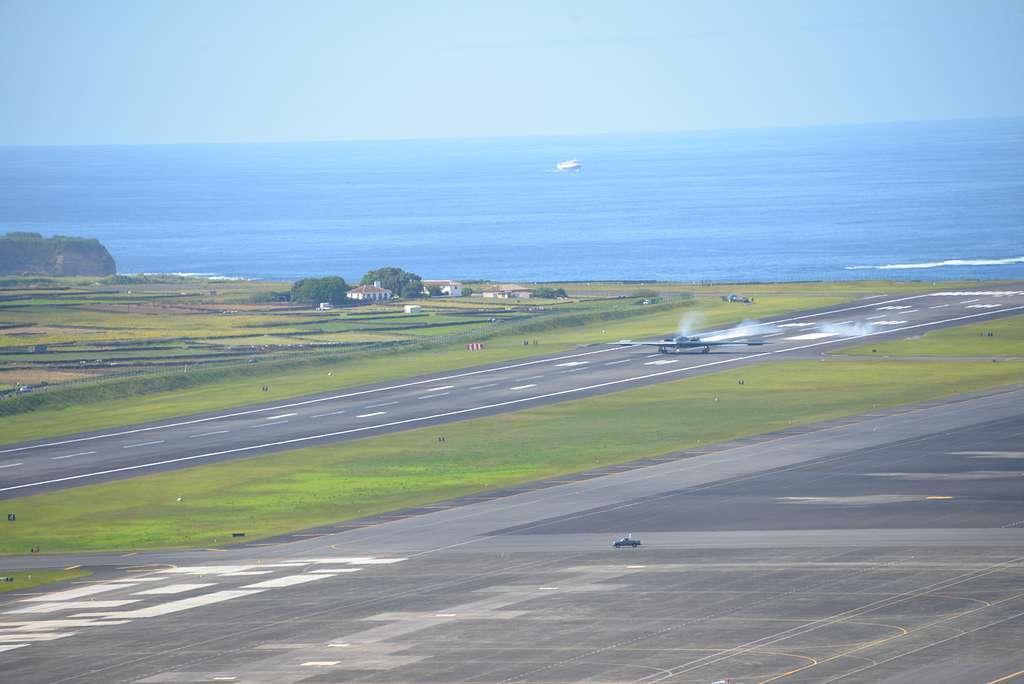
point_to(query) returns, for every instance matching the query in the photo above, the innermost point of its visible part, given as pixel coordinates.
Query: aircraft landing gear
(705, 350)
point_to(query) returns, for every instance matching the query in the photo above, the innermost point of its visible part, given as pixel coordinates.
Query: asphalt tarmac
(882, 548)
(75, 460)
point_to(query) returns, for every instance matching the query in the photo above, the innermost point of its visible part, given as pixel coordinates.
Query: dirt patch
(34, 376)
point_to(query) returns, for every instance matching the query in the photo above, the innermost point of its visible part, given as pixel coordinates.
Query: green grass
(105, 407)
(1007, 339)
(26, 579)
(314, 486)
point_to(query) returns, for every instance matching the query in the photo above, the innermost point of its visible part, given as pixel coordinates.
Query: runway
(51, 464)
(886, 548)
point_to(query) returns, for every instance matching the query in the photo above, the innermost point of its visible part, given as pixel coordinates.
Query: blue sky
(158, 71)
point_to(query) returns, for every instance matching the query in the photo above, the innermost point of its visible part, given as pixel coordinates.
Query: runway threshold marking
(415, 383)
(486, 407)
(80, 453)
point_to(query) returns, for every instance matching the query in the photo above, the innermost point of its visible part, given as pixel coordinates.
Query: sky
(175, 71)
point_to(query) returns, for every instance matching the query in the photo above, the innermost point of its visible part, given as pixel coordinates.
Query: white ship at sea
(569, 165)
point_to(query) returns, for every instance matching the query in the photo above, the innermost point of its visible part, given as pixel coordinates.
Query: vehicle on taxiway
(626, 541)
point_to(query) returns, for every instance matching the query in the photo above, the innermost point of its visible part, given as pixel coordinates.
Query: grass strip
(26, 579)
(997, 337)
(109, 405)
(316, 486)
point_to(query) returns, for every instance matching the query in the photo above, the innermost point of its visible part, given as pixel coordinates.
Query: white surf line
(283, 415)
(438, 389)
(415, 383)
(431, 396)
(205, 434)
(11, 465)
(612, 363)
(142, 444)
(332, 413)
(369, 415)
(500, 404)
(386, 403)
(80, 453)
(263, 425)
(519, 387)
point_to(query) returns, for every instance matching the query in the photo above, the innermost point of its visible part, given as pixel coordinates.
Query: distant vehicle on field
(626, 541)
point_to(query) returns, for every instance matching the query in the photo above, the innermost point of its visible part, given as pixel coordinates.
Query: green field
(103, 406)
(26, 579)
(998, 337)
(314, 486)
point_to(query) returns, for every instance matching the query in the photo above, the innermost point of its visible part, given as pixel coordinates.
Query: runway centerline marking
(370, 415)
(142, 444)
(414, 383)
(386, 403)
(283, 415)
(205, 434)
(11, 465)
(431, 396)
(612, 363)
(332, 413)
(438, 389)
(257, 427)
(519, 387)
(80, 453)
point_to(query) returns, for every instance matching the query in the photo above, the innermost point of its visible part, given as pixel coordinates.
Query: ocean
(931, 201)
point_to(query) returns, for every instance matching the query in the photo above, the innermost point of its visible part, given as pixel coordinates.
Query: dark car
(626, 541)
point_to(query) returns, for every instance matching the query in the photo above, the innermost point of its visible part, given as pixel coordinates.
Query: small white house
(370, 293)
(508, 291)
(413, 308)
(451, 288)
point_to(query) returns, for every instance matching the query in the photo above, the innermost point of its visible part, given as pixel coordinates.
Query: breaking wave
(941, 264)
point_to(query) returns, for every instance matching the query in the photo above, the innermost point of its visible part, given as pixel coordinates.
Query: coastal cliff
(32, 254)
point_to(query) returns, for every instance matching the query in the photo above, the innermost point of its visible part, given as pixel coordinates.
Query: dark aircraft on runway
(681, 343)
(626, 541)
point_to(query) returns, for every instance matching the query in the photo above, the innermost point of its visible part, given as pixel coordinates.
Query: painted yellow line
(1007, 677)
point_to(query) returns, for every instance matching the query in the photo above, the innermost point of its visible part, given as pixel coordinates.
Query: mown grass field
(998, 337)
(315, 486)
(122, 404)
(26, 579)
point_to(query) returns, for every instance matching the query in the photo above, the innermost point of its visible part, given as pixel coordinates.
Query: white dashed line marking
(11, 465)
(438, 389)
(519, 387)
(332, 413)
(968, 301)
(369, 415)
(651, 356)
(662, 362)
(569, 364)
(257, 427)
(142, 444)
(386, 403)
(283, 415)
(205, 434)
(872, 318)
(80, 453)
(612, 363)
(431, 396)
(479, 387)
(939, 306)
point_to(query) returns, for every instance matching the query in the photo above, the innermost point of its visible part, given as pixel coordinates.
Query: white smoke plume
(744, 329)
(691, 321)
(847, 329)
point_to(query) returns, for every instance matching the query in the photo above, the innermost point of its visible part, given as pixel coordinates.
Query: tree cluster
(549, 293)
(315, 290)
(403, 283)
